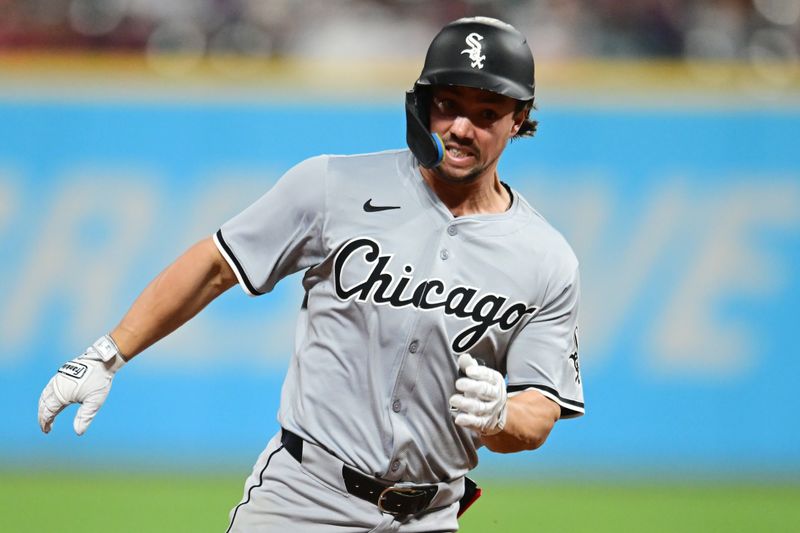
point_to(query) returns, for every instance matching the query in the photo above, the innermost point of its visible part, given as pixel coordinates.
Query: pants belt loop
(293, 444)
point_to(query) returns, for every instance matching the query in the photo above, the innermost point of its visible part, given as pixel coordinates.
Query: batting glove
(481, 406)
(85, 380)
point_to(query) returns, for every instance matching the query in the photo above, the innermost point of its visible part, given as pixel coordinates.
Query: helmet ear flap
(427, 148)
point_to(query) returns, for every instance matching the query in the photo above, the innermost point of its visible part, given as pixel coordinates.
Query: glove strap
(501, 422)
(109, 352)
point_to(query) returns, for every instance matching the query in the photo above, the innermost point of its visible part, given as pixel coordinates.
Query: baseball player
(440, 309)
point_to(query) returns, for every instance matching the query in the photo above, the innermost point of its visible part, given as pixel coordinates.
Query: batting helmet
(478, 52)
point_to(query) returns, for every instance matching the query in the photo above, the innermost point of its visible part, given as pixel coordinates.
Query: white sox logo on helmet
(473, 40)
(381, 288)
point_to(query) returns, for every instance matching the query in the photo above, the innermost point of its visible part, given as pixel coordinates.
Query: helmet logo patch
(473, 40)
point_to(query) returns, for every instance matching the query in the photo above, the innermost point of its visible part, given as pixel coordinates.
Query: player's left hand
(481, 406)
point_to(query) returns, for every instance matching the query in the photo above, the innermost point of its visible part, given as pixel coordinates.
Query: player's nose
(462, 127)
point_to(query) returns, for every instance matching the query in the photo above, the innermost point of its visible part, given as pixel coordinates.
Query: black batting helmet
(478, 52)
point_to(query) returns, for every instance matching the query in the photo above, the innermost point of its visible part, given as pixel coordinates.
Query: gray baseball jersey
(396, 287)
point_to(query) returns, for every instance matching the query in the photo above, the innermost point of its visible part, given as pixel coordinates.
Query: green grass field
(104, 502)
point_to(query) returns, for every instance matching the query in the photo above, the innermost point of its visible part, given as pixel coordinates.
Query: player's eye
(444, 105)
(489, 114)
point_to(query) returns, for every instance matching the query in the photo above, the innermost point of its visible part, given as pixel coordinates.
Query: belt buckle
(409, 491)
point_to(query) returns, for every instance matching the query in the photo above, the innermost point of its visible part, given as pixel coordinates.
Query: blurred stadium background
(668, 153)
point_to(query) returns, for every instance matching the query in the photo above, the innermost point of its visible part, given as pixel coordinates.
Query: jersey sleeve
(544, 356)
(281, 232)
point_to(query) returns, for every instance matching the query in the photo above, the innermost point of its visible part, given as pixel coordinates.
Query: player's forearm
(530, 418)
(173, 297)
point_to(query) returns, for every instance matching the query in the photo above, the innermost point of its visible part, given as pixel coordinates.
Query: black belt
(392, 498)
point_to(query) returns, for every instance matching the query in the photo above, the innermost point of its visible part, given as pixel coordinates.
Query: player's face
(475, 126)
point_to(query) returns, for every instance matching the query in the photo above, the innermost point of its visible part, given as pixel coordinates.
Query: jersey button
(452, 230)
(395, 465)
(444, 254)
(396, 405)
(413, 347)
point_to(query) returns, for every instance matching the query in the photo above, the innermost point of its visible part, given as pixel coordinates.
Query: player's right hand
(85, 380)
(482, 399)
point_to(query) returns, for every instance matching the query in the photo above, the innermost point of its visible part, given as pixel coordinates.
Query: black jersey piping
(517, 388)
(510, 194)
(237, 264)
(250, 490)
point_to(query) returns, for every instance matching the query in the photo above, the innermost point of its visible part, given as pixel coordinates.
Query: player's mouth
(458, 154)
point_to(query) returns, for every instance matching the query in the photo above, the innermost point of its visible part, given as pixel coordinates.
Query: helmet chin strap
(428, 148)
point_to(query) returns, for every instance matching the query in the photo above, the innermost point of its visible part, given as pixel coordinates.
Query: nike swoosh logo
(369, 208)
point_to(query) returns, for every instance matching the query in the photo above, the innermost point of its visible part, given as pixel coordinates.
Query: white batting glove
(85, 380)
(481, 406)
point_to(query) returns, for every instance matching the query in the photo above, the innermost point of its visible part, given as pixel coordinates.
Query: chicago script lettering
(463, 302)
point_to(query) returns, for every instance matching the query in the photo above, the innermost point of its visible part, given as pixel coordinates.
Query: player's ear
(523, 125)
(520, 116)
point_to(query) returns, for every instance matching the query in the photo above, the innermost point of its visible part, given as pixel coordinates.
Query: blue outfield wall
(687, 225)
